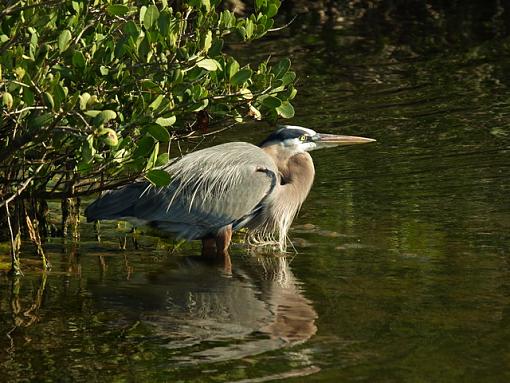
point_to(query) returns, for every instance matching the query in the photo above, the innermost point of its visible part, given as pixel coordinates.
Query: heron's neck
(296, 170)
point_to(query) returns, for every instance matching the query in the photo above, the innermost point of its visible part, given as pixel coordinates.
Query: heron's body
(218, 190)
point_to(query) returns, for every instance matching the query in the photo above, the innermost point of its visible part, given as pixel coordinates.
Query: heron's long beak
(331, 140)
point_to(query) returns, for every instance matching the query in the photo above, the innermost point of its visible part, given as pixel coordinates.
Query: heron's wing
(116, 203)
(210, 189)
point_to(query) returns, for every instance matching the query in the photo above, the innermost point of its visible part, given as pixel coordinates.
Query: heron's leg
(223, 239)
(227, 264)
(208, 246)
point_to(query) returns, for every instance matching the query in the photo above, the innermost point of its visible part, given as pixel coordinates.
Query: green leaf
(217, 46)
(209, 64)
(64, 39)
(159, 177)
(272, 10)
(207, 41)
(59, 95)
(117, 9)
(169, 121)
(78, 59)
(206, 4)
(162, 160)
(40, 121)
(250, 28)
(144, 146)
(233, 68)
(143, 47)
(241, 77)
(281, 68)
(288, 78)
(84, 98)
(141, 15)
(131, 29)
(271, 102)
(7, 100)
(260, 3)
(157, 102)
(164, 22)
(87, 149)
(92, 113)
(109, 136)
(286, 110)
(151, 16)
(159, 132)
(200, 105)
(103, 117)
(153, 157)
(48, 100)
(34, 43)
(28, 97)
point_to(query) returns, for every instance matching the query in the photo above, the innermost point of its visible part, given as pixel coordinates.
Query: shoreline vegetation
(94, 93)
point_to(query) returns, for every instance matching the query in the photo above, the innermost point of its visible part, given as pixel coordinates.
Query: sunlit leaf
(233, 68)
(84, 99)
(206, 4)
(168, 121)
(103, 117)
(151, 16)
(157, 102)
(208, 64)
(250, 28)
(285, 110)
(63, 40)
(207, 41)
(7, 100)
(109, 136)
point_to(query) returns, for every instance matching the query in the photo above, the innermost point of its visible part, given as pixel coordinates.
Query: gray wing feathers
(210, 189)
(115, 204)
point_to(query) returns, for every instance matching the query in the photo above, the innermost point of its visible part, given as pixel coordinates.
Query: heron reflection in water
(205, 315)
(224, 188)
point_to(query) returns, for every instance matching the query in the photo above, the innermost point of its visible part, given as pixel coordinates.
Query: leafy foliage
(91, 91)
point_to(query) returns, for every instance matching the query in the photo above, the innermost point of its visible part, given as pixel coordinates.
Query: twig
(282, 27)
(14, 8)
(23, 187)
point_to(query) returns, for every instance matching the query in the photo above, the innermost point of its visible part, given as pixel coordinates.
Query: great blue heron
(224, 188)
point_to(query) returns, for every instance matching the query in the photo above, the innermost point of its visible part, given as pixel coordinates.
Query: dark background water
(402, 272)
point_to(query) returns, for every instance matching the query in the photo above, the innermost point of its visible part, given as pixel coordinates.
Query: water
(403, 246)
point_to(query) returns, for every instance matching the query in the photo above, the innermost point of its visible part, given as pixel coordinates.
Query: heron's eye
(303, 138)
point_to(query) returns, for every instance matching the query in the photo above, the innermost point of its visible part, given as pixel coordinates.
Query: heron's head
(299, 139)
